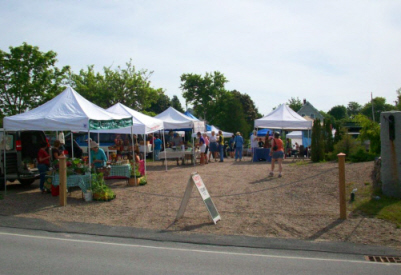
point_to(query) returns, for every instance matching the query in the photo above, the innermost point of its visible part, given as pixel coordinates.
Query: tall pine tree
(317, 144)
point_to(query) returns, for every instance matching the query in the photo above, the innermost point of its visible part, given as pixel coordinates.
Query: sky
(327, 52)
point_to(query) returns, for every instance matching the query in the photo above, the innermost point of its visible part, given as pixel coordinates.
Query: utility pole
(373, 111)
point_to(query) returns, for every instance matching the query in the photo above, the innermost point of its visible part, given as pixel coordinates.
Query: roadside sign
(195, 179)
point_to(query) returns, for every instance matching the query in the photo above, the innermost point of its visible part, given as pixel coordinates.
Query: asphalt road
(25, 251)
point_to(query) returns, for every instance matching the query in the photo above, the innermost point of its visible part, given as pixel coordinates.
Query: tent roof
(294, 134)
(188, 114)
(283, 118)
(141, 123)
(67, 111)
(216, 130)
(175, 120)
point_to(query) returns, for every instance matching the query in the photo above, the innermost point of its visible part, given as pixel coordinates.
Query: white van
(21, 150)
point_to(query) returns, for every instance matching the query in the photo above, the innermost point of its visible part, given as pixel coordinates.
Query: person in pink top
(206, 138)
(277, 153)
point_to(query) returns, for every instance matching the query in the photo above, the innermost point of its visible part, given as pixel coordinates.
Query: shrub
(361, 155)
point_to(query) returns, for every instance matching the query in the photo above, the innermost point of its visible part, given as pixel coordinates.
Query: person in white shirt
(254, 143)
(62, 140)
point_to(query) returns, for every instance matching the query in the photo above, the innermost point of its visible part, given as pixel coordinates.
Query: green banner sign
(109, 124)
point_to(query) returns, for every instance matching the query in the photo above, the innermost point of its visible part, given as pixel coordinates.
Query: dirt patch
(303, 204)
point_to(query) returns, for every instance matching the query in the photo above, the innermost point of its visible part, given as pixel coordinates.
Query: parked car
(21, 150)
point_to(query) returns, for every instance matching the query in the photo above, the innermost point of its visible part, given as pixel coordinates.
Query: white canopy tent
(294, 135)
(68, 111)
(141, 124)
(283, 118)
(216, 130)
(175, 120)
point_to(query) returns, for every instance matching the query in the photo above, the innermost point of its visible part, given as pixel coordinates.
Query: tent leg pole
(144, 155)
(72, 144)
(165, 154)
(193, 148)
(5, 162)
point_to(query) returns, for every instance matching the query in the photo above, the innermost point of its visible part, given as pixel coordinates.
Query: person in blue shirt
(97, 155)
(239, 142)
(158, 146)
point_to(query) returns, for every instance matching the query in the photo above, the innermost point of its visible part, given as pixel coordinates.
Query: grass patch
(300, 163)
(375, 204)
(1, 196)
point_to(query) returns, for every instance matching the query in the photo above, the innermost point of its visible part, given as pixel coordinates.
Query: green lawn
(375, 204)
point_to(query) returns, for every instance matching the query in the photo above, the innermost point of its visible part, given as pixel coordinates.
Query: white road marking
(188, 250)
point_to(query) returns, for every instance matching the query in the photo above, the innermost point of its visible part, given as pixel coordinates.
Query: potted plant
(135, 175)
(100, 190)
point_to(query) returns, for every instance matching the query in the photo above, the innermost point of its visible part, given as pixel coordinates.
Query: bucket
(55, 190)
(133, 181)
(88, 195)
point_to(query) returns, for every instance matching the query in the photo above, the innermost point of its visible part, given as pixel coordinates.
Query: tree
(379, 105)
(398, 103)
(370, 131)
(176, 104)
(250, 111)
(295, 104)
(338, 112)
(317, 143)
(203, 92)
(328, 136)
(161, 103)
(121, 85)
(28, 78)
(353, 108)
(229, 115)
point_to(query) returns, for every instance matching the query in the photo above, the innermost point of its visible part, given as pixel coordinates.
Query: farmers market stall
(68, 111)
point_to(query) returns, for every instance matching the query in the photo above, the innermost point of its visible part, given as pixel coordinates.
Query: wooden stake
(63, 180)
(341, 185)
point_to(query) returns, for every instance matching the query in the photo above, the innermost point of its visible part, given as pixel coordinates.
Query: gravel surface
(303, 204)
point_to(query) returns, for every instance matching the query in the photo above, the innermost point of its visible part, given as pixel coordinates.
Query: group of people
(213, 145)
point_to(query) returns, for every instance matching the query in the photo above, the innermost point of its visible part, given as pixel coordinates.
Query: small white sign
(196, 180)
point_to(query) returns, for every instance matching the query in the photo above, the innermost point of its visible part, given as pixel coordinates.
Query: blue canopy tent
(263, 132)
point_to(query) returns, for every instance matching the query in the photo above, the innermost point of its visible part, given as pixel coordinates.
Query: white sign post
(195, 179)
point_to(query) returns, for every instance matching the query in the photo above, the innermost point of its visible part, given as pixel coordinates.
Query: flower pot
(133, 181)
(88, 195)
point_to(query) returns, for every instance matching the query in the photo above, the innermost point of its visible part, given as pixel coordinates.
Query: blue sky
(328, 52)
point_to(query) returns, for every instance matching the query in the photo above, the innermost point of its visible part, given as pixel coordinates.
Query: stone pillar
(390, 135)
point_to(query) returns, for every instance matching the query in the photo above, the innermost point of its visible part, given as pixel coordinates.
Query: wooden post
(63, 181)
(341, 185)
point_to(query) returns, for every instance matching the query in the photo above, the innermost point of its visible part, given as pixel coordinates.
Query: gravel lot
(303, 204)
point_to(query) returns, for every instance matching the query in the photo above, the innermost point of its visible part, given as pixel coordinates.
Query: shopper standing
(43, 164)
(277, 154)
(221, 146)
(239, 142)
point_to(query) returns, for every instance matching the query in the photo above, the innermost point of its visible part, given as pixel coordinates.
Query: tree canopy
(379, 105)
(203, 92)
(353, 108)
(295, 103)
(28, 78)
(338, 112)
(121, 85)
